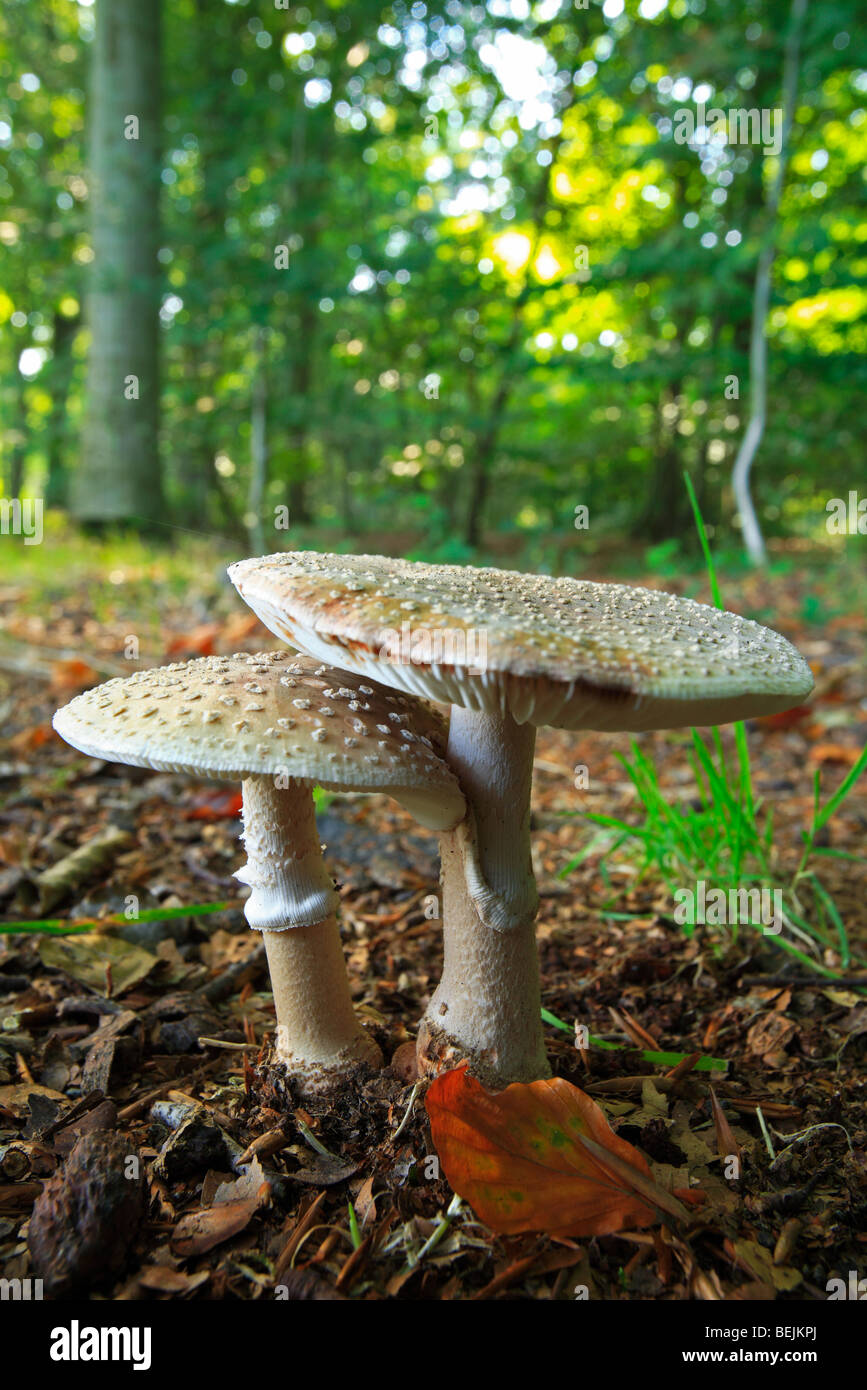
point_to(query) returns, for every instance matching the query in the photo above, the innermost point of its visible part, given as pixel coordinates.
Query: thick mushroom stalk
(487, 1006)
(292, 903)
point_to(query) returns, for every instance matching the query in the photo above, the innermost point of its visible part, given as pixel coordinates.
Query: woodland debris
(81, 865)
(196, 1144)
(88, 1214)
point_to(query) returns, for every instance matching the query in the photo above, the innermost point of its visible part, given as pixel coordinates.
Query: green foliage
(434, 228)
(721, 834)
(59, 926)
(662, 1059)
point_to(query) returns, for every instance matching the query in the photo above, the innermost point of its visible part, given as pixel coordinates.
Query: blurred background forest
(428, 277)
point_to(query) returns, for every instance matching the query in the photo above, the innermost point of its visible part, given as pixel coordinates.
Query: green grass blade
(702, 535)
(664, 1059)
(59, 926)
(842, 791)
(831, 908)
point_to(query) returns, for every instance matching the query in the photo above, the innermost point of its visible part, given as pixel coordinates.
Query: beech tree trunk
(62, 366)
(118, 477)
(258, 448)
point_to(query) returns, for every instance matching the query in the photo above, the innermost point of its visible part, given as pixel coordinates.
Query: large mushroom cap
(270, 714)
(564, 652)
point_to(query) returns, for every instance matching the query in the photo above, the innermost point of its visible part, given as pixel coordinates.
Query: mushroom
(280, 725)
(512, 652)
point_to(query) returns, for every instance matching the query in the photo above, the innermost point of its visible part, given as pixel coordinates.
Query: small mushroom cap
(271, 714)
(565, 652)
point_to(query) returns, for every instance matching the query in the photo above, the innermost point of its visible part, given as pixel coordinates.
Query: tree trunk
(61, 370)
(753, 539)
(488, 438)
(118, 477)
(258, 449)
(481, 475)
(663, 514)
(17, 451)
(303, 385)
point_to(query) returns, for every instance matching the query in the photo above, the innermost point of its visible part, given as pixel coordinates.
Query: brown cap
(271, 714)
(565, 652)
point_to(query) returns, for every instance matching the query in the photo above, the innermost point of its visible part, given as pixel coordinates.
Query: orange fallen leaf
(239, 626)
(834, 753)
(72, 674)
(28, 740)
(221, 807)
(200, 641)
(785, 719)
(541, 1157)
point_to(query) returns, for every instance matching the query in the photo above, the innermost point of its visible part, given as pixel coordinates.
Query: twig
(135, 1107)
(811, 1129)
(411, 1103)
(769, 1143)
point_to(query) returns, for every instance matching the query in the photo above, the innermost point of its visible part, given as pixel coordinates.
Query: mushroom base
(280, 1084)
(319, 1039)
(486, 1006)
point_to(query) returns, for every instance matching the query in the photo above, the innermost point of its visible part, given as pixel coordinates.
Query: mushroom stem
(292, 904)
(487, 1005)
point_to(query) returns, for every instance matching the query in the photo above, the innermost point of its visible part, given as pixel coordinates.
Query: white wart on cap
(271, 714)
(563, 652)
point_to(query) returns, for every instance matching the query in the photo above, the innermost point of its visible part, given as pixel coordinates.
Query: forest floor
(157, 1031)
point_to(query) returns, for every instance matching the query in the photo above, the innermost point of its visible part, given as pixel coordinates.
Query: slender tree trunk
(17, 451)
(258, 449)
(752, 532)
(299, 502)
(118, 477)
(65, 330)
(488, 438)
(663, 509)
(344, 487)
(483, 457)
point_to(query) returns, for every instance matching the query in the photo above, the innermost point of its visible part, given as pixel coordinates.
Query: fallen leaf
(239, 626)
(324, 1172)
(202, 1230)
(28, 740)
(834, 753)
(768, 1038)
(163, 1279)
(244, 1188)
(785, 719)
(71, 674)
(222, 806)
(199, 642)
(365, 1202)
(97, 960)
(754, 1259)
(540, 1157)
